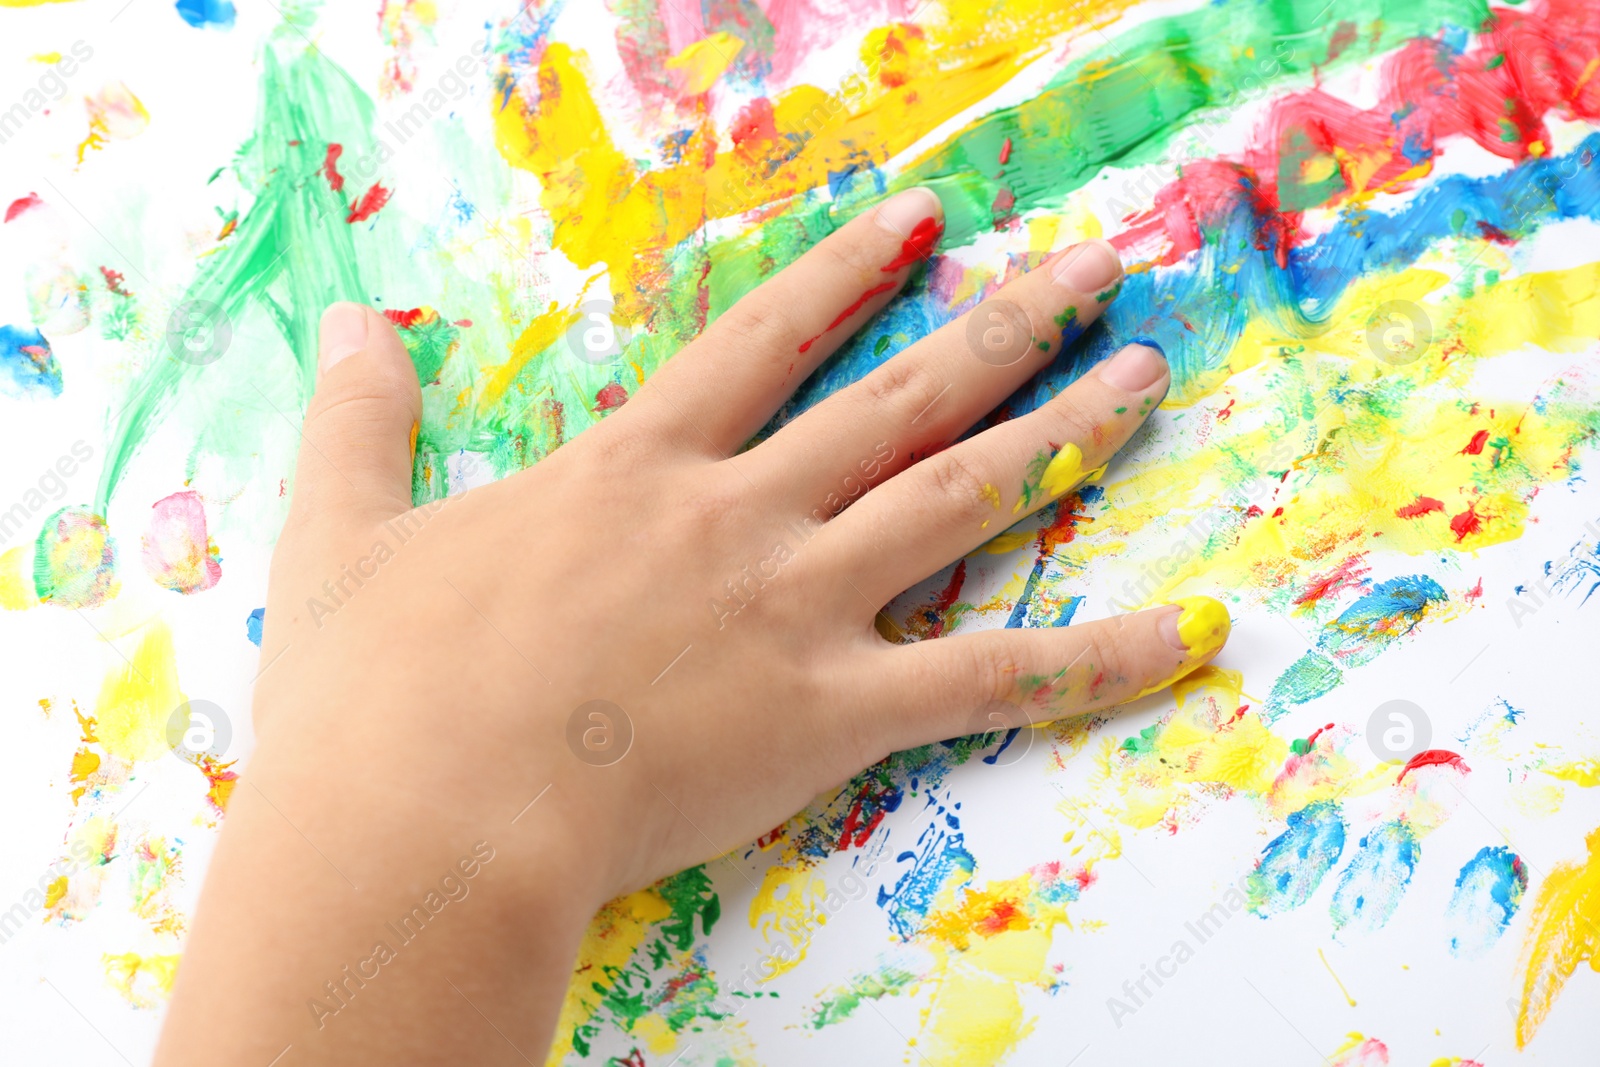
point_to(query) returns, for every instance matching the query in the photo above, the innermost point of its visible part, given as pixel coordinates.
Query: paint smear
(1488, 893)
(138, 698)
(1370, 888)
(207, 14)
(28, 368)
(178, 553)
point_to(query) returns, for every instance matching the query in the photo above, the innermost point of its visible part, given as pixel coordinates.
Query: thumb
(356, 450)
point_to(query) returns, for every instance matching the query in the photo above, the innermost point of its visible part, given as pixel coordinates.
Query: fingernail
(1092, 268)
(901, 213)
(1199, 626)
(343, 332)
(1135, 368)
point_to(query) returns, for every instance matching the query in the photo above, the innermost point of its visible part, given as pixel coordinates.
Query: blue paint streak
(252, 625)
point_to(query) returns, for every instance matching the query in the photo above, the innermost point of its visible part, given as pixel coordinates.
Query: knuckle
(847, 255)
(1072, 418)
(954, 477)
(761, 323)
(902, 384)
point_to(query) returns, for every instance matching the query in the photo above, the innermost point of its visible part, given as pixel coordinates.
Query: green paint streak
(842, 1003)
(1122, 103)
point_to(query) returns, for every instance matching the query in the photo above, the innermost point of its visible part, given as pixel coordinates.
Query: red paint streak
(1002, 208)
(857, 827)
(330, 167)
(22, 204)
(1433, 757)
(770, 838)
(1345, 576)
(370, 203)
(463, 323)
(1475, 446)
(1276, 512)
(1311, 742)
(1422, 506)
(1467, 523)
(114, 281)
(1226, 413)
(1525, 65)
(1475, 593)
(946, 599)
(610, 397)
(860, 303)
(919, 246)
(1005, 152)
(405, 320)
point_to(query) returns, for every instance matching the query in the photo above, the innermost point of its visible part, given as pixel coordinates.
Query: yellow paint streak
(702, 63)
(1348, 999)
(1579, 772)
(788, 910)
(608, 209)
(138, 698)
(1563, 931)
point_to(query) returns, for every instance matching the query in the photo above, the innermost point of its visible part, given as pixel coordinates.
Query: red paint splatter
(1421, 506)
(1475, 593)
(1226, 413)
(771, 837)
(1467, 523)
(370, 203)
(22, 204)
(1254, 512)
(610, 397)
(755, 126)
(1475, 446)
(1005, 152)
(1433, 757)
(1311, 742)
(405, 320)
(114, 281)
(330, 167)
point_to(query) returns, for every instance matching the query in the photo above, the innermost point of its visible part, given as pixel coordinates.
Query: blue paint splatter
(940, 855)
(1294, 864)
(1488, 893)
(28, 368)
(1371, 886)
(252, 626)
(207, 13)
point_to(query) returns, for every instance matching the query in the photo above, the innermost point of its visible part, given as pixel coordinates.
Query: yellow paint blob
(1064, 471)
(1203, 625)
(143, 981)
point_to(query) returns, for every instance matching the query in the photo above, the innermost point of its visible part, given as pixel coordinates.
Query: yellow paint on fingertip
(1203, 625)
(990, 495)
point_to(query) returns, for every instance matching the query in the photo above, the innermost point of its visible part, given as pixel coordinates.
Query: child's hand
(664, 645)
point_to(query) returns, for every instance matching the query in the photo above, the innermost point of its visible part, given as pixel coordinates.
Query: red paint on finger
(919, 246)
(861, 302)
